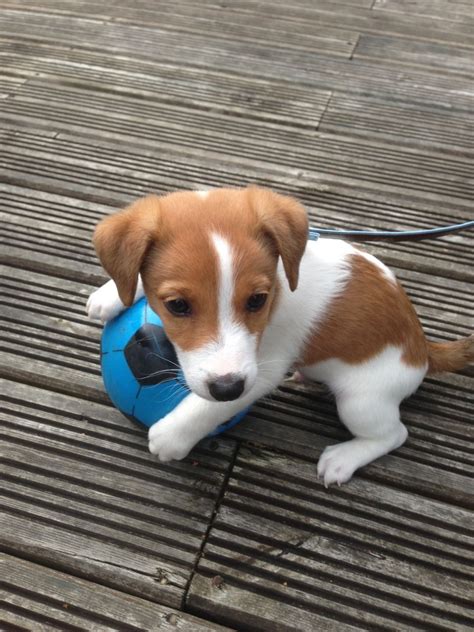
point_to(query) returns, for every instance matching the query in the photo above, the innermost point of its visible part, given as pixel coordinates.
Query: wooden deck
(363, 110)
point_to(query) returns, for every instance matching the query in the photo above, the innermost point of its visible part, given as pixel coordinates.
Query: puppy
(244, 298)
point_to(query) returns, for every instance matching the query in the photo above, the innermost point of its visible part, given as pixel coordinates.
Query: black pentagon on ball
(151, 356)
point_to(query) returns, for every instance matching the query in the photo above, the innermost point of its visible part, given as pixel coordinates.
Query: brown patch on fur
(122, 240)
(254, 273)
(284, 221)
(167, 240)
(371, 313)
(184, 268)
(450, 356)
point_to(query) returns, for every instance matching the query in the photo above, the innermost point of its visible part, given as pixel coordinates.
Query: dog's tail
(450, 356)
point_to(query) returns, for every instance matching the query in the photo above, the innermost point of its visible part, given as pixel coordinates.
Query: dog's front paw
(104, 304)
(166, 442)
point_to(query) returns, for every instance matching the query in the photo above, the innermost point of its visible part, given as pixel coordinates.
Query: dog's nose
(226, 387)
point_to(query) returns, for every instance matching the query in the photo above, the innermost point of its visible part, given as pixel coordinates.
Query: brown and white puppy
(244, 297)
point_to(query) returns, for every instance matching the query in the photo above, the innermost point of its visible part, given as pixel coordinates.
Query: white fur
(104, 304)
(368, 395)
(202, 194)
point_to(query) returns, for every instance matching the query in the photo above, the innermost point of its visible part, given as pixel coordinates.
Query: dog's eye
(256, 302)
(178, 307)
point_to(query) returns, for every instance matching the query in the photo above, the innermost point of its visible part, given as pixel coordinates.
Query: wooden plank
(228, 25)
(184, 18)
(39, 599)
(148, 39)
(328, 157)
(60, 31)
(361, 19)
(441, 56)
(46, 337)
(122, 175)
(279, 534)
(80, 492)
(458, 10)
(249, 97)
(8, 85)
(378, 78)
(350, 15)
(58, 334)
(405, 124)
(256, 610)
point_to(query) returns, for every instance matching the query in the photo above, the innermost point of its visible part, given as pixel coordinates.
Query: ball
(140, 369)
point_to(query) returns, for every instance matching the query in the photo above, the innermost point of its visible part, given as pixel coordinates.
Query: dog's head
(208, 262)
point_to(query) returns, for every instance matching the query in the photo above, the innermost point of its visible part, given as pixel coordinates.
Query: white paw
(104, 304)
(165, 440)
(336, 465)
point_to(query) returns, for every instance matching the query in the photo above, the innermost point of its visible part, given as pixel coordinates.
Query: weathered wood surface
(365, 555)
(41, 599)
(80, 492)
(362, 110)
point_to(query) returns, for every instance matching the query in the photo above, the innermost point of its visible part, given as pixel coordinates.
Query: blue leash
(389, 235)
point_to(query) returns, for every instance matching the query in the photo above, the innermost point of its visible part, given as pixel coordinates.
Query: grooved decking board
(102, 170)
(318, 14)
(443, 57)
(59, 601)
(326, 156)
(80, 492)
(183, 19)
(45, 336)
(405, 124)
(368, 76)
(296, 556)
(248, 97)
(395, 85)
(458, 10)
(150, 39)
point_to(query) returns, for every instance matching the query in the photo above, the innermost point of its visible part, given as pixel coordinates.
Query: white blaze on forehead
(226, 282)
(235, 348)
(202, 194)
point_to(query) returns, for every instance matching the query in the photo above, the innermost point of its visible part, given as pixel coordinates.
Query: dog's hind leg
(368, 397)
(377, 429)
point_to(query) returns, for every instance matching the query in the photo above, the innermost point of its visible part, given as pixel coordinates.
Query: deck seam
(212, 520)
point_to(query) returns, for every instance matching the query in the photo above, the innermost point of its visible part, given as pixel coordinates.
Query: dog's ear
(122, 241)
(285, 222)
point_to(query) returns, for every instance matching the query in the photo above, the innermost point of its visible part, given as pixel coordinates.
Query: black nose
(226, 387)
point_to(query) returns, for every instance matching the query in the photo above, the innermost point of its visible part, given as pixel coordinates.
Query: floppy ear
(122, 241)
(285, 222)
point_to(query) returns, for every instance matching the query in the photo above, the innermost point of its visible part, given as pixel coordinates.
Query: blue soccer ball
(140, 369)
